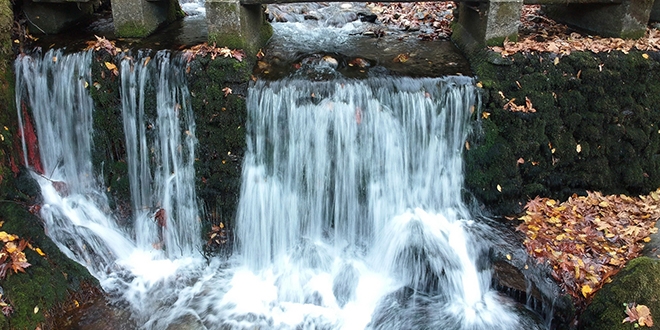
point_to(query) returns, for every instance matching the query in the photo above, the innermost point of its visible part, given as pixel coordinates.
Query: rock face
(638, 283)
(595, 127)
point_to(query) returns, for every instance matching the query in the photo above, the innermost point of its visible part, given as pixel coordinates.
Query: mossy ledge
(596, 127)
(637, 283)
(49, 282)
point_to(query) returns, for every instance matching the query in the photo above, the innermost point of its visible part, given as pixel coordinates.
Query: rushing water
(350, 214)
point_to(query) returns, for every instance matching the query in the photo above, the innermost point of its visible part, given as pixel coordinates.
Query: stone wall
(596, 127)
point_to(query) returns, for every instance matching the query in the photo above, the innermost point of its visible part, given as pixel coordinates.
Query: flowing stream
(350, 214)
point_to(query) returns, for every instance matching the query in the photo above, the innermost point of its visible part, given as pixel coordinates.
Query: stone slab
(626, 20)
(139, 18)
(233, 25)
(482, 24)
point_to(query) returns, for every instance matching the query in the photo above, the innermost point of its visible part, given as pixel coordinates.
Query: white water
(350, 213)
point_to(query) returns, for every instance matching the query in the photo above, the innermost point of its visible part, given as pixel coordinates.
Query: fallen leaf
(401, 58)
(227, 91)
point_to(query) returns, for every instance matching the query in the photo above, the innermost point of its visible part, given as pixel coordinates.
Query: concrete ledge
(139, 18)
(233, 25)
(486, 24)
(625, 20)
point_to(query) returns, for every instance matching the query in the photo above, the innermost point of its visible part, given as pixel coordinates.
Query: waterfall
(161, 168)
(75, 208)
(351, 200)
(350, 213)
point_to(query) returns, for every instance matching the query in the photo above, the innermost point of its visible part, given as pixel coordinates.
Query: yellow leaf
(578, 148)
(508, 257)
(556, 61)
(75, 302)
(499, 188)
(485, 115)
(36, 309)
(10, 247)
(41, 253)
(645, 56)
(647, 239)
(586, 290)
(551, 202)
(110, 66)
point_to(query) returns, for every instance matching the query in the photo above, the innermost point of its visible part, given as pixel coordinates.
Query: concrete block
(489, 23)
(655, 11)
(625, 20)
(52, 18)
(233, 25)
(139, 18)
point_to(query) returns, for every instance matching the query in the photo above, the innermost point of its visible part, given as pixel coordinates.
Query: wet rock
(345, 283)
(371, 18)
(99, 315)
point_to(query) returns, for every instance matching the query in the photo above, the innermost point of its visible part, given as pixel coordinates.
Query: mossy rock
(638, 282)
(596, 127)
(47, 283)
(220, 129)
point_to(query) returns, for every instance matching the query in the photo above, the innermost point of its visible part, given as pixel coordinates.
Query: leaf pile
(640, 315)
(12, 255)
(205, 49)
(587, 239)
(541, 34)
(103, 43)
(432, 19)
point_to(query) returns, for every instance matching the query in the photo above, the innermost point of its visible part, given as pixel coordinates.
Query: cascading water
(350, 214)
(160, 153)
(169, 187)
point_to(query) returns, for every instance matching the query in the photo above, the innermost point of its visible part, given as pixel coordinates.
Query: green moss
(638, 282)
(174, 11)
(133, 30)
(7, 112)
(220, 131)
(47, 282)
(606, 103)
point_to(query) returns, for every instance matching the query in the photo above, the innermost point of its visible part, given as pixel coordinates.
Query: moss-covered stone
(7, 109)
(638, 282)
(220, 121)
(133, 30)
(607, 104)
(49, 281)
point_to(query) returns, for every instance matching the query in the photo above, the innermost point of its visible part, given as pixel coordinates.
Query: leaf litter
(542, 34)
(587, 239)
